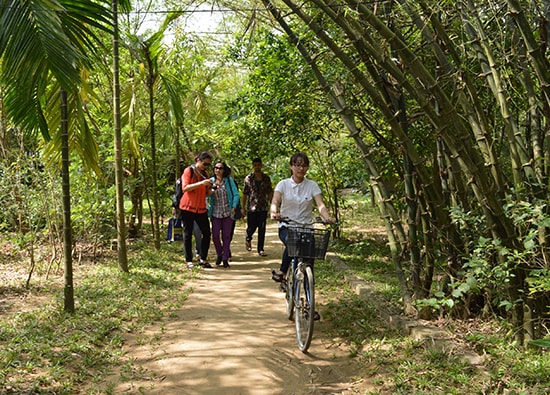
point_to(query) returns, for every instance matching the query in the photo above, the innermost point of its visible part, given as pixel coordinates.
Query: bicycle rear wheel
(304, 297)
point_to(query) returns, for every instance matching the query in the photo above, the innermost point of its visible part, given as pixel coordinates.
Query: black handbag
(238, 211)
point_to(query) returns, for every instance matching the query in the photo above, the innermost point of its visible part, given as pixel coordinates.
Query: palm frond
(81, 139)
(41, 39)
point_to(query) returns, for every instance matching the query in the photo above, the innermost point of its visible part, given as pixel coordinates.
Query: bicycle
(305, 243)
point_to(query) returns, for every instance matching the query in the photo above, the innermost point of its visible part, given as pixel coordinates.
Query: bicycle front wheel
(289, 296)
(304, 308)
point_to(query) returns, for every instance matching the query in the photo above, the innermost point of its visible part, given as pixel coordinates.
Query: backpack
(178, 193)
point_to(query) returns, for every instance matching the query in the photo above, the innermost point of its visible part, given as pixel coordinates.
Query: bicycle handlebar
(316, 220)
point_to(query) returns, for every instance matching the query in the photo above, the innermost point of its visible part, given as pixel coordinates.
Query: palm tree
(149, 51)
(40, 43)
(119, 174)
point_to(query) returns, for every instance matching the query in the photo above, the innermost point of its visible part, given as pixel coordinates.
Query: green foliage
(539, 281)
(543, 343)
(274, 102)
(31, 214)
(525, 370)
(413, 376)
(394, 363)
(276, 113)
(363, 246)
(490, 265)
(23, 188)
(280, 109)
(31, 55)
(93, 202)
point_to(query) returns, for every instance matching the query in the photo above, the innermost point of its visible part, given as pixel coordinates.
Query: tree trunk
(119, 172)
(66, 192)
(155, 212)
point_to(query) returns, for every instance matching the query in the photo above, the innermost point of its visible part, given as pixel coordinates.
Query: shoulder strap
(194, 173)
(227, 182)
(200, 175)
(234, 189)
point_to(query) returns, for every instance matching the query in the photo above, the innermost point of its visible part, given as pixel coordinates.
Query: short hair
(256, 160)
(297, 156)
(203, 155)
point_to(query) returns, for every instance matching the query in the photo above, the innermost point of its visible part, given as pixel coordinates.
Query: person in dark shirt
(257, 195)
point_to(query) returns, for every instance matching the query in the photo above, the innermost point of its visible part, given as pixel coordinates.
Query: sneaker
(205, 264)
(225, 264)
(218, 261)
(190, 265)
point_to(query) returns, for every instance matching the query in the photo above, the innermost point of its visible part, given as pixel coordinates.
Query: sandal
(248, 245)
(277, 277)
(262, 253)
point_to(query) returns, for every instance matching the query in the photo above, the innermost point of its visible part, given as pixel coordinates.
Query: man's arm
(244, 199)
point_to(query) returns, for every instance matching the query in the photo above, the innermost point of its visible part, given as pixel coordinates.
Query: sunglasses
(218, 168)
(206, 164)
(301, 166)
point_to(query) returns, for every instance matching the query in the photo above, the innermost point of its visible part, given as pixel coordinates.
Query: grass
(46, 351)
(390, 359)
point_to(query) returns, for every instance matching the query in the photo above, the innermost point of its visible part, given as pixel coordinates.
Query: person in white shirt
(293, 198)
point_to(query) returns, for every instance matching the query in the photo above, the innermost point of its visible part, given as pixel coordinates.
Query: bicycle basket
(307, 242)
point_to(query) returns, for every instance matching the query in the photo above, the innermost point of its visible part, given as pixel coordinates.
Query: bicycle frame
(304, 244)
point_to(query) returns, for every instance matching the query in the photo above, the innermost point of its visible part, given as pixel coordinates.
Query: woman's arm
(188, 177)
(323, 209)
(275, 204)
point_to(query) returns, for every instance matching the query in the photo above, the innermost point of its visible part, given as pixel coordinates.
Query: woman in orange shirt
(196, 185)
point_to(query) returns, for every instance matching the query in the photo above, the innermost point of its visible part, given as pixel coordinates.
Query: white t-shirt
(297, 199)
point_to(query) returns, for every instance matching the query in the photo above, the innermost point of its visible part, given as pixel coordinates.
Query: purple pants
(223, 226)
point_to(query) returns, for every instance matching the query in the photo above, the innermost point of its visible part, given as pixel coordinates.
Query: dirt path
(232, 337)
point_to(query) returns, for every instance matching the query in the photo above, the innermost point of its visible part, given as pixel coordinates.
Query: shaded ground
(232, 337)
